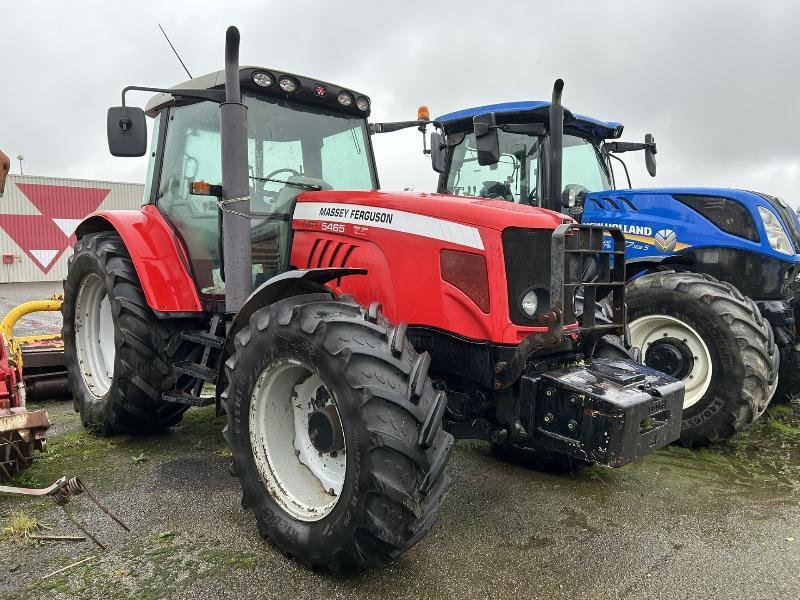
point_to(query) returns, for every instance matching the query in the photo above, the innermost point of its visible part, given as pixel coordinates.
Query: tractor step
(196, 370)
(180, 397)
(203, 338)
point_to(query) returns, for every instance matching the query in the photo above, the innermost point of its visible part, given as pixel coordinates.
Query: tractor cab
(502, 150)
(519, 174)
(302, 135)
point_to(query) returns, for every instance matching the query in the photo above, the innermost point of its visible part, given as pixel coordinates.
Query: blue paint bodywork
(656, 210)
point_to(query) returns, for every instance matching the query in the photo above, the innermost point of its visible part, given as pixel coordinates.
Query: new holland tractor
(349, 334)
(714, 273)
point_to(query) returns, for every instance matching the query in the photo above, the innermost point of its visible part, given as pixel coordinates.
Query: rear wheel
(114, 346)
(336, 432)
(705, 333)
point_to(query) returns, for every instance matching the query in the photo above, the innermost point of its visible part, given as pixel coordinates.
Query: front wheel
(336, 432)
(707, 334)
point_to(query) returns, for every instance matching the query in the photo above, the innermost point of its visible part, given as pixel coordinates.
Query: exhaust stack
(556, 146)
(235, 206)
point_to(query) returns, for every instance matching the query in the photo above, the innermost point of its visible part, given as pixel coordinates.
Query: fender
(648, 264)
(157, 256)
(285, 285)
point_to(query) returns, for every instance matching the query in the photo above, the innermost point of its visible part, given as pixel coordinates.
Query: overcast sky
(715, 81)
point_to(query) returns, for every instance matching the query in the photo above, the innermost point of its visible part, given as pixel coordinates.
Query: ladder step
(183, 398)
(203, 338)
(195, 370)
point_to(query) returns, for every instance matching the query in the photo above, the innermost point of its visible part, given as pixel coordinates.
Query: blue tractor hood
(661, 221)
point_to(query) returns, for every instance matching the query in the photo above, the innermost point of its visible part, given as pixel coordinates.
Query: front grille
(573, 260)
(527, 255)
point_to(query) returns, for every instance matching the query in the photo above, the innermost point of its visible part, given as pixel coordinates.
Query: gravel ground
(722, 522)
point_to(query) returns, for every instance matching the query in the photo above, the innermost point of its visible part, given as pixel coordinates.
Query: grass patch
(66, 454)
(159, 567)
(19, 525)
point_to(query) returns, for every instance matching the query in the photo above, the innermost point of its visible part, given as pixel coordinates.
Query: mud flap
(606, 410)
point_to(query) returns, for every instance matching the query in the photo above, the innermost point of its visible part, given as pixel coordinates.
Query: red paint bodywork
(156, 253)
(404, 272)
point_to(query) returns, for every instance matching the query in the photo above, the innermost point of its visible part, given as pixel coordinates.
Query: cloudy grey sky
(716, 81)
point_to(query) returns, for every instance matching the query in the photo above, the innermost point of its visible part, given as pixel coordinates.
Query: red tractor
(349, 335)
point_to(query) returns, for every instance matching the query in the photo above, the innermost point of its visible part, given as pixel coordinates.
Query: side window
(192, 153)
(582, 166)
(339, 152)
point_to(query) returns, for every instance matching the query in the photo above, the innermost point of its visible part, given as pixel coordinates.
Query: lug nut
(572, 425)
(548, 418)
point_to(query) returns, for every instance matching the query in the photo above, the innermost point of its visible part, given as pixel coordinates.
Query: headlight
(362, 104)
(530, 303)
(287, 84)
(776, 234)
(262, 78)
(534, 301)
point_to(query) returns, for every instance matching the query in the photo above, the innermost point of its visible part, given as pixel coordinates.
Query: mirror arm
(212, 95)
(620, 147)
(398, 125)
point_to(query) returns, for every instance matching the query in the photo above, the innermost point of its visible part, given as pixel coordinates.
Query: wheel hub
(325, 430)
(678, 349)
(671, 356)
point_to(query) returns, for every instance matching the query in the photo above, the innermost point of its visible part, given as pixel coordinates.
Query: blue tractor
(714, 274)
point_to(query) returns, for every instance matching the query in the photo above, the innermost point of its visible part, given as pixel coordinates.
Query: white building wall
(38, 217)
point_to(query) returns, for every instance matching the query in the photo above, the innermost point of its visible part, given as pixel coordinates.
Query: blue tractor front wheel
(707, 334)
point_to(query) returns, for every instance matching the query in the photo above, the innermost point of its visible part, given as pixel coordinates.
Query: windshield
(291, 149)
(516, 177)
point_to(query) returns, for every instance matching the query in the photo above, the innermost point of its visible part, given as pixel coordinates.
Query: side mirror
(127, 131)
(487, 142)
(438, 158)
(650, 154)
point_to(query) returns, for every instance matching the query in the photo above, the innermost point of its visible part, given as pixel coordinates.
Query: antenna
(175, 51)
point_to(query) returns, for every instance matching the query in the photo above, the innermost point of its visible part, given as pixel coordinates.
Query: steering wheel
(269, 193)
(496, 189)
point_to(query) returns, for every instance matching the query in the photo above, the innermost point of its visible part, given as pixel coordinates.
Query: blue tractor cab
(714, 273)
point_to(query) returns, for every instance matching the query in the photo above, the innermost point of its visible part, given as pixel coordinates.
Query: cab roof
(309, 90)
(597, 128)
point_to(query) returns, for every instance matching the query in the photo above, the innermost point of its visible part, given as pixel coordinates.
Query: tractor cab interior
(292, 148)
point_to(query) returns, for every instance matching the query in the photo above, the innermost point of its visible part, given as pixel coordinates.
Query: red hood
(481, 212)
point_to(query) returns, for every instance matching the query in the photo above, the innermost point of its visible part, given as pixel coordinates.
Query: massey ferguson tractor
(714, 273)
(349, 334)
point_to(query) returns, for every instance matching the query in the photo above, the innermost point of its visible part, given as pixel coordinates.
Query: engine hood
(751, 200)
(479, 212)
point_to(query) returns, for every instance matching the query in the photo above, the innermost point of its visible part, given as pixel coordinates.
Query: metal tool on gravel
(61, 492)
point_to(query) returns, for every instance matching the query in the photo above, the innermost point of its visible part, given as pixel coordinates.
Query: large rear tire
(706, 333)
(365, 487)
(114, 345)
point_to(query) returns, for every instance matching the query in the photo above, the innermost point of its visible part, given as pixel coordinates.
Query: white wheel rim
(94, 335)
(648, 329)
(304, 481)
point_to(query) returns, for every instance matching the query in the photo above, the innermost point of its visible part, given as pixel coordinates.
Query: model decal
(387, 218)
